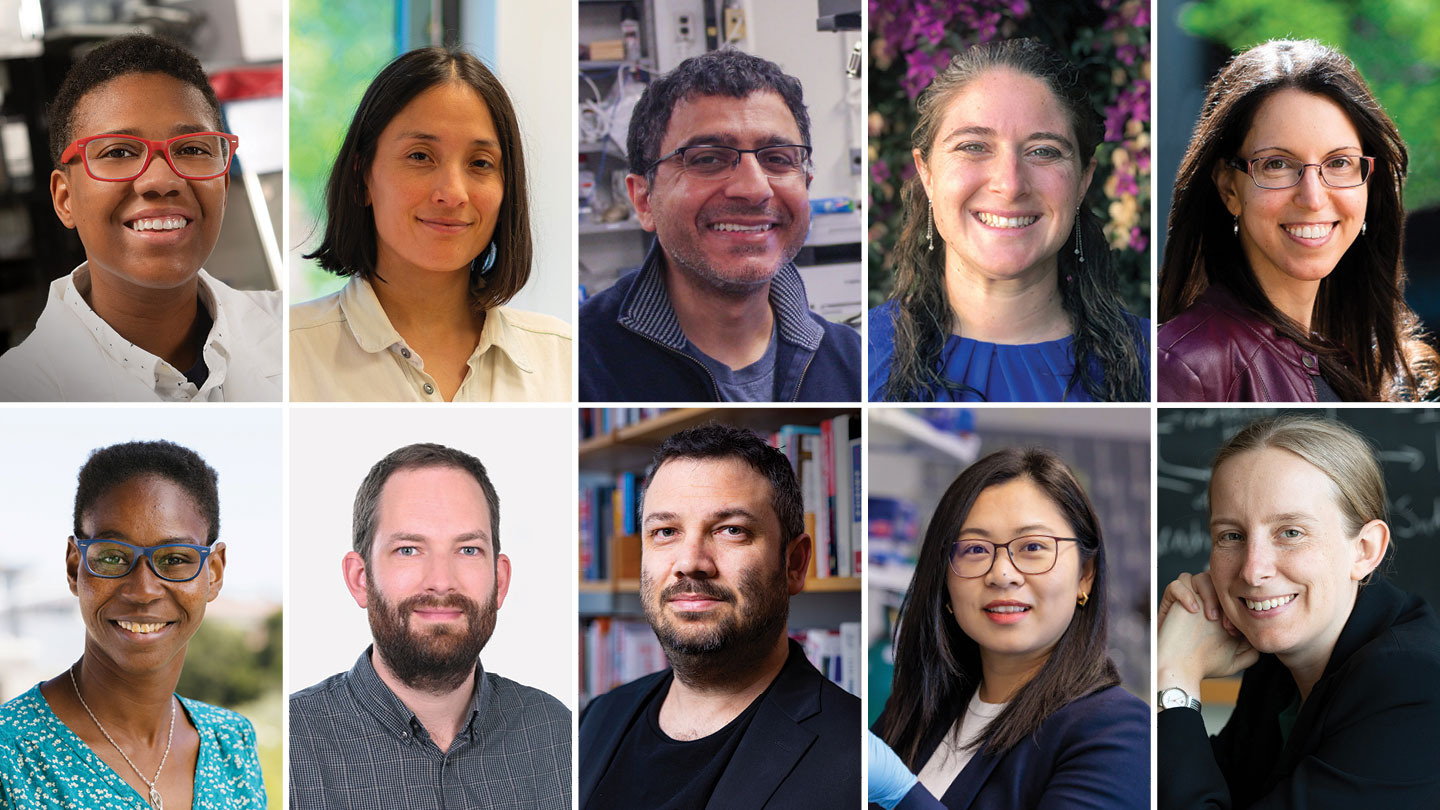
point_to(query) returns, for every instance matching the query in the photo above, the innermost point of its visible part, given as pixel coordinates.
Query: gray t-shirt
(753, 383)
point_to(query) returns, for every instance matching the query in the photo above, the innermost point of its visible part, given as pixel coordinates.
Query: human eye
(407, 551)
(780, 157)
(707, 158)
(1343, 163)
(118, 151)
(1292, 533)
(663, 534)
(972, 148)
(471, 551)
(971, 548)
(417, 156)
(483, 163)
(1277, 165)
(733, 532)
(1047, 153)
(1228, 538)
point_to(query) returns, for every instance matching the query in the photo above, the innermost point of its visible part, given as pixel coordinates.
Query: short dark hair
(350, 246)
(726, 72)
(715, 441)
(112, 466)
(416, 457)
(135, 53)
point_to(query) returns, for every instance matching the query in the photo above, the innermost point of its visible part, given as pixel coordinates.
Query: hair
(135, 53)
(1370, 345)
(725, 72)
(109, 467)
(350, 245)
(715, 441)
(417, 457)
(1336, 449)
(937, 666)
(1106, 342)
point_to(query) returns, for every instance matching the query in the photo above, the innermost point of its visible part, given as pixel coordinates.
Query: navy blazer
(1092, 753)
(1368, 736)
(801, 750)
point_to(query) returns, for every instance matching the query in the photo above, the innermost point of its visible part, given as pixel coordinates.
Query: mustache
(724, 210)
(698, 587)
(450, 601)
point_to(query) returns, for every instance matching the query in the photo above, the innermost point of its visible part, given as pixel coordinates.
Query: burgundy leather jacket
(1218, 351)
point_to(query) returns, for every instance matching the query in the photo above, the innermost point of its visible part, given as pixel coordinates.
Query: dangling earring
(949, 609)
(1236, 229)
(1362, 227)
(1079, 249)
(488, 263)
(1084, 597)
(930, 225)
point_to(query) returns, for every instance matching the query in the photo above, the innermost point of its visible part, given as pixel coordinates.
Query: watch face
(1174, 698)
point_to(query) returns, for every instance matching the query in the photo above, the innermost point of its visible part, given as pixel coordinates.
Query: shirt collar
(393, 715)
(647, 310)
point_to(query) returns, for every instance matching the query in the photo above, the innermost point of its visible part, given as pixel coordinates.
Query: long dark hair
(1371, 347)
(350, 245)
(937, 666)
(1105, 345)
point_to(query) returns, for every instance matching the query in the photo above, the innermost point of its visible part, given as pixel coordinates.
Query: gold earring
(949, 609)
(1084, 597)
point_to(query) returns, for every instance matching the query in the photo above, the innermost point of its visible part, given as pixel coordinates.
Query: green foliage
(226, 664)
(1394, 43)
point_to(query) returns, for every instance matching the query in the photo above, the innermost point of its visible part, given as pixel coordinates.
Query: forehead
(1017, 506)
(757, 119)
(143, 504)
(450, 111)
(442, 498)
(1010, 102)
(1269, 481)
(157, 103)
(697, 487)
(1298, 121)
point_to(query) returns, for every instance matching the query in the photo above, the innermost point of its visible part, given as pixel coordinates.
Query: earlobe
(922, 170)
(216, 566)
(72, 566)
(502, 579)
(1373, 541)
(797, 562)
(639, 189)
(352, 568)
(1224, 181)
(60, 197)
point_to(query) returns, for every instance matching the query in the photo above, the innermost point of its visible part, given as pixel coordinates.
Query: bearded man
(741, 719)
(418, 722)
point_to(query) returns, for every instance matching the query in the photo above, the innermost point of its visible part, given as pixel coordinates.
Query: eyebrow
(989, 132)
(412, 537)
(1350, 148)
(116, 534)
(178, 129)
(1269, 520)
(719, 514)
(427, 136)
(727, 139)
(1033, 528)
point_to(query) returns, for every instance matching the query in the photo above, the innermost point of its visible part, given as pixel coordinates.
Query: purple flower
(1138, 240)
(922, 67)
(879, 172)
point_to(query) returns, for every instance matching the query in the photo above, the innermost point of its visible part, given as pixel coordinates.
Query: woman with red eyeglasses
(141, 173)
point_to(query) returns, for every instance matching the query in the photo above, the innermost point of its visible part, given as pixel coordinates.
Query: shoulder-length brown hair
(937, 666)
(1371, 347)
(350, 243)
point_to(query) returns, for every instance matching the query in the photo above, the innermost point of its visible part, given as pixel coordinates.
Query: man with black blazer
(742, 719)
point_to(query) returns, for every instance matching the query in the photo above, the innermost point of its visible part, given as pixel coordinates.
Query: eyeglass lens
(1343, 171)
(1029, 555)
(117, 559)
(116, 158)
(717, 161)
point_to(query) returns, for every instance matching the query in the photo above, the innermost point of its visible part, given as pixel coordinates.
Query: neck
(1307, 665)
(135, 705)
(732, 328)
(1023, 309)
(1003, 676)
(442, 714)
(702, 700)
(165, 323)
(421, 303)
(1294, 297)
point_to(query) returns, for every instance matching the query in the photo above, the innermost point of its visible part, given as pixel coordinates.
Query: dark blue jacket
(632, 348)
(1094, 752)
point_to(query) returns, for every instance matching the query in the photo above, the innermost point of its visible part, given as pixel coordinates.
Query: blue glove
(890, 780)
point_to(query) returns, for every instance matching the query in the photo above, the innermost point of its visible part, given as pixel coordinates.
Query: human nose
(695, 557)
(1311, 193)
(1002, 569)
(1259, 563)
(439, 575)
(1007, 176)
(142, 584)
(158, 176)
(449, 189)
(748, 181)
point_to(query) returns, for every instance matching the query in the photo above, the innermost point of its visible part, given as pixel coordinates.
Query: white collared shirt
(344, 348)
(75, 356)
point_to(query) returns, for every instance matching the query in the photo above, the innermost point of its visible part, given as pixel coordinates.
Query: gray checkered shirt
(354, 745)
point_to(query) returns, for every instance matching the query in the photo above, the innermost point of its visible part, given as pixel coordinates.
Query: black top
(1366, 737)
(652, 770)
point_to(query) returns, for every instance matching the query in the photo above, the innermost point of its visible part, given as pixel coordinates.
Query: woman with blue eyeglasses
(1282, 279)
(110, 731)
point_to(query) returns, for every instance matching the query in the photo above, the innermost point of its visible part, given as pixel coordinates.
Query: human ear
(1374, 539)
(797, 562)
(215, 569)
(639, 189)
(922, 170)
(353, 569)
(1225, 180)
(1085, 178)
(502, 579)
(1087, 577)
(72, 566)
(60, 197)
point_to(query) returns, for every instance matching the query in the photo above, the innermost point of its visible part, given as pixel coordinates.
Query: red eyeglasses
(116, 158)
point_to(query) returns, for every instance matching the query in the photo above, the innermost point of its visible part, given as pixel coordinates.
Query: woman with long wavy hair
(1004, 289)
(1282, 278)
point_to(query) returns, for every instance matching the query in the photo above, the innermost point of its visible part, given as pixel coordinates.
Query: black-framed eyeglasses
(1031, 554)
(1276, 172)
(781, 161)
(112, 559)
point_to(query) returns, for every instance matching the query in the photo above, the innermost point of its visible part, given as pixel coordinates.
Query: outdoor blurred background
(1396, 46)
(1109, 39)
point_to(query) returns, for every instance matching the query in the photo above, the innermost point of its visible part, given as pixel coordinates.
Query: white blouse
(952, 756)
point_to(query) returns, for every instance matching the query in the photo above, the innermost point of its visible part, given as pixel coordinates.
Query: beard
(708, 649)
(436, 659)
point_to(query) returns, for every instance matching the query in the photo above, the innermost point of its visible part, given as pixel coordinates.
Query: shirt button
(1309, 361)
(405, 353)
(429, 389)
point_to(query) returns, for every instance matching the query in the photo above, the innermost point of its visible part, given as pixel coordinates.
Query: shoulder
(322, 311)
(320, 699)
(1401, 663)
(619, 701)
(20, 718)
(231, 729)
(1109, 711)
(541, 327)
(527, 703)
(265, 304)
(602, 308)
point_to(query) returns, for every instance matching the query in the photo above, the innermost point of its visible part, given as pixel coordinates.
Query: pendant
(155, 802)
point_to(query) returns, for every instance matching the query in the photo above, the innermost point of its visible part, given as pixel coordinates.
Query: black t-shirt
(651, 770)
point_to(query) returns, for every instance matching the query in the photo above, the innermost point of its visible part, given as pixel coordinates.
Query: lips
(1005, 222)
(1309, 230)
(1007, 607)
(141, 628)
(735, 227)
(1264, 605)
(448, 224)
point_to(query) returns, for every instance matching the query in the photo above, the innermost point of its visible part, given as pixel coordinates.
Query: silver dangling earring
(1079, 248)
(1363, 224)
(482, 266)
(930, 225)
(1236, 229)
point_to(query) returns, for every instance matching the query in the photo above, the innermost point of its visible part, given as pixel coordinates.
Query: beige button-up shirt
(343, 348)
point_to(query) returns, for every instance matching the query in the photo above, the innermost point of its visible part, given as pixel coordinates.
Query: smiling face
(1295, 234)
(433, 584)
(157, 255)
(1282, 559)
(731, 235)
(1011, 615)
(1004, 176)
(436, 183)
(140, 623)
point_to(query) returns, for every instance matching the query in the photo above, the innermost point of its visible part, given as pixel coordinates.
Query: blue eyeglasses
(112, 559)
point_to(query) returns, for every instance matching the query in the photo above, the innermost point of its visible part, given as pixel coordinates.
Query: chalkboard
(1408, 441)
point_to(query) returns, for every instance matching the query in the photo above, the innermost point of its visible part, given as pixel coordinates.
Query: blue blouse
(43, 764)
(992, 372)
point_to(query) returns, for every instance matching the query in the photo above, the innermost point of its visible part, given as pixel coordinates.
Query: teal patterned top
(43, 764)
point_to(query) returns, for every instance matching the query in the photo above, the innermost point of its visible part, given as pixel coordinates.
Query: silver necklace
(155, 801)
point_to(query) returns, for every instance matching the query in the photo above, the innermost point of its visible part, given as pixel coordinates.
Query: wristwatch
(1177, 698)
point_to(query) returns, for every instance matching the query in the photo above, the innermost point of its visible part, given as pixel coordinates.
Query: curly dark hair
(112, 466)
(135, 53)
(1106, 343)
(1370, 345)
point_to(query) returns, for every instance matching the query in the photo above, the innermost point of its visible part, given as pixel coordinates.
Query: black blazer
(801, 750)
(1369, 735)
(1092, 753)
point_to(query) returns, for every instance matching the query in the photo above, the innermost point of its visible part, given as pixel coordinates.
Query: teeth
(1309, 231)
(158, 224)
(137, 627)
(1006, 222)
(1006, 609)
(1269, 604)
(732, 227)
